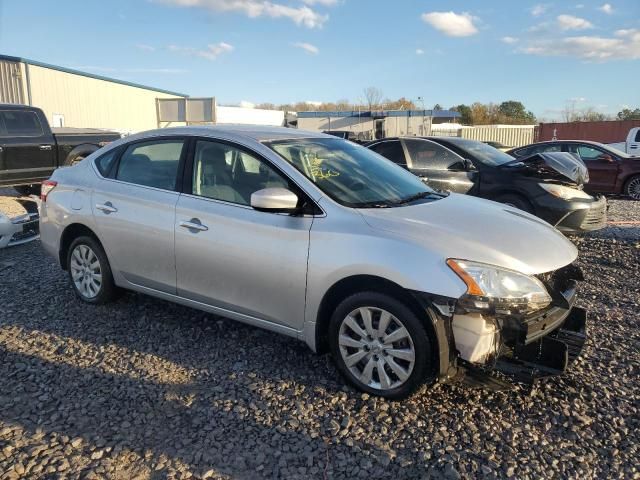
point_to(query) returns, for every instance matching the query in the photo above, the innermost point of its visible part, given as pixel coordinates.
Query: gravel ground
(147, 389)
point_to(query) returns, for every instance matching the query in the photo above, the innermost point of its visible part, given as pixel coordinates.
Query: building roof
(381, 113)
(85, 74)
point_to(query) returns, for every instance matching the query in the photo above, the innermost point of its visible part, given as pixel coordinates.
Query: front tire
(380, 346)
(632, 187)
(90, 272)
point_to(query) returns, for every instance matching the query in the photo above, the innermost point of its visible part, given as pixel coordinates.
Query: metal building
(70, 98)
(374, 124)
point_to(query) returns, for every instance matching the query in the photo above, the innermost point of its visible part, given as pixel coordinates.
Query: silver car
(318, 238)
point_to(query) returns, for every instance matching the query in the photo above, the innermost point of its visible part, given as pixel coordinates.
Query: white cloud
(625, 46)
(307, 47)
(580, 5)
(578, 99)
(569, 22)
(326, 3)
(606, 8)
(451, 24)
(146, 48)
(419, 51)
(302, 15)
(539, 9)
(509, 40)
(212, 51)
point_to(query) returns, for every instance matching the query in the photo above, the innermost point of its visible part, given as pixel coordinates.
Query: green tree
(466, 116)
(513, 111)
(628, 114)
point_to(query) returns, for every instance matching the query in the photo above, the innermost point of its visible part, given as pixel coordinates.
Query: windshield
(484, 153)
(350, 174)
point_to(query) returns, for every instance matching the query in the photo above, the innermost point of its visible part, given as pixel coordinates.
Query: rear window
(429, 155)
(105, 162)
(152, 164)
(21, 123)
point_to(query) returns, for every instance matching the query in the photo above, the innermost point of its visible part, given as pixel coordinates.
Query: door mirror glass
(275, 200)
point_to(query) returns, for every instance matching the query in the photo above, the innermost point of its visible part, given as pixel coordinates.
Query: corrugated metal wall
(604, 132)
(91, 102)
(11, 85)
(512, 137)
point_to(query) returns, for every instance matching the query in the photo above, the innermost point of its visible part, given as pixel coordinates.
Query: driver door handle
(106, 208)
(45, 147)
(194, 224)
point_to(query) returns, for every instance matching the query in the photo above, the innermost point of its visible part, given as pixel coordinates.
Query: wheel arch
(503, 191)
(69, 234)
(363, 283)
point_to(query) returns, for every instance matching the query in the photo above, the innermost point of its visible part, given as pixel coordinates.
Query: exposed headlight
(566, 193)
(494, 288)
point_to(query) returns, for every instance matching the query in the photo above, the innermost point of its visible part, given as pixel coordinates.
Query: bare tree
(373, 96)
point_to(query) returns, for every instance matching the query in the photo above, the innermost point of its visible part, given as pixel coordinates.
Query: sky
(547, 55)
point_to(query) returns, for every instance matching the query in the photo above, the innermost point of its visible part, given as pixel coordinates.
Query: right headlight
(490, 287)
(566, 193)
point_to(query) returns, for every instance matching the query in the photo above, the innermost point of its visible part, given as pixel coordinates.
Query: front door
(439, 167)
(135, 213)
(28, 148)
(603, 167)
(229, 255)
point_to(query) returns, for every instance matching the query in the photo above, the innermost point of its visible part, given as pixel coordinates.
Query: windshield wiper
(373, 205)
(415, 197)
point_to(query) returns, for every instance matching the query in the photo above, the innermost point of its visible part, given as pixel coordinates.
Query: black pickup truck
(30, 150)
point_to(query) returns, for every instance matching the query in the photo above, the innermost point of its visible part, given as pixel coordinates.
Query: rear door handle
(107, 208)
(195, 225)
(45, 147)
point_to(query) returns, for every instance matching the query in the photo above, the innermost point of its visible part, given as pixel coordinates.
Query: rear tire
(380, 346)
(90, 272)
(70, 162)
(26, 190)
(516, 201)
(632, 187)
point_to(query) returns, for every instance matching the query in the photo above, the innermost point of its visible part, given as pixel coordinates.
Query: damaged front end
(22, 228)
(485, 336)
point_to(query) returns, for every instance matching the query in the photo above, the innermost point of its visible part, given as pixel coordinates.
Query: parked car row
(324, 240)
(546, 185)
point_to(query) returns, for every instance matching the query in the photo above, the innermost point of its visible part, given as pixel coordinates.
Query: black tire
(423, 370)
(632, 187)
(516, 201)
(26, 190)
(108, 290)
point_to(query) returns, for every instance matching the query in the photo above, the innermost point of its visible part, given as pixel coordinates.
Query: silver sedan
(318, 238)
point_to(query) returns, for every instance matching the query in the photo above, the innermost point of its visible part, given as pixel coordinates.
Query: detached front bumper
(523, 348)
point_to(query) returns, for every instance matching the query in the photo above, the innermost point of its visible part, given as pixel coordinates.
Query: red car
(610, 171)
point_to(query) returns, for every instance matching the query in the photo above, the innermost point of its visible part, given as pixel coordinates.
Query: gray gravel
(147, 389)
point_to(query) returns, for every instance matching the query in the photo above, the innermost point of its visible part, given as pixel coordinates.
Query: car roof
(237, 132)
(548, 142)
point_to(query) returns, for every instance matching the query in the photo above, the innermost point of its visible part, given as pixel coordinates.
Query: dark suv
(546, 185)
(610, 171)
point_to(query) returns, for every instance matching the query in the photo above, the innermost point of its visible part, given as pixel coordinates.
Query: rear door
(439, 167)
(134, 211)
(28, 147)
(603, 167)
(229, 255)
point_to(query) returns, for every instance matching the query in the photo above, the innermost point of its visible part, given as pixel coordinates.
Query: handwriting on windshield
(320, 173)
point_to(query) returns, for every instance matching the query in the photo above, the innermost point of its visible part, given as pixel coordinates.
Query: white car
(324, 240)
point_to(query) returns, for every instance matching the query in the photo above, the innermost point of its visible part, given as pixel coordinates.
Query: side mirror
(275, 200)
(606, 158)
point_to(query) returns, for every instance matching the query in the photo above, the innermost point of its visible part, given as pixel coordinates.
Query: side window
(425, 154)
(22, 123)
(556, 147)
(214, 177)
(638, 135)
(105, 162)
(588, 153)
(152, 164)
(391, 150)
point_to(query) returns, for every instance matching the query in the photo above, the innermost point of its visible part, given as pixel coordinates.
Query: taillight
(46, 188)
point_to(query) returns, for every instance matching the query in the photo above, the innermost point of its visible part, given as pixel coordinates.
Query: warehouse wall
(91, 102)
(393, 126)
(510, 136)
(11, 82)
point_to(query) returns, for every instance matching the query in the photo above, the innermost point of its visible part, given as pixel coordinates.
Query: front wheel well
(70, 233)
(364, 283)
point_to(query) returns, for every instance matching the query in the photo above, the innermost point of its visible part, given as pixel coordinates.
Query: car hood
(559, 165)
(460, 226)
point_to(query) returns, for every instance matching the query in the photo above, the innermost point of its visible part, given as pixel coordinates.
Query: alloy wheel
(376, 348)
(86, 271)
(633, 189)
